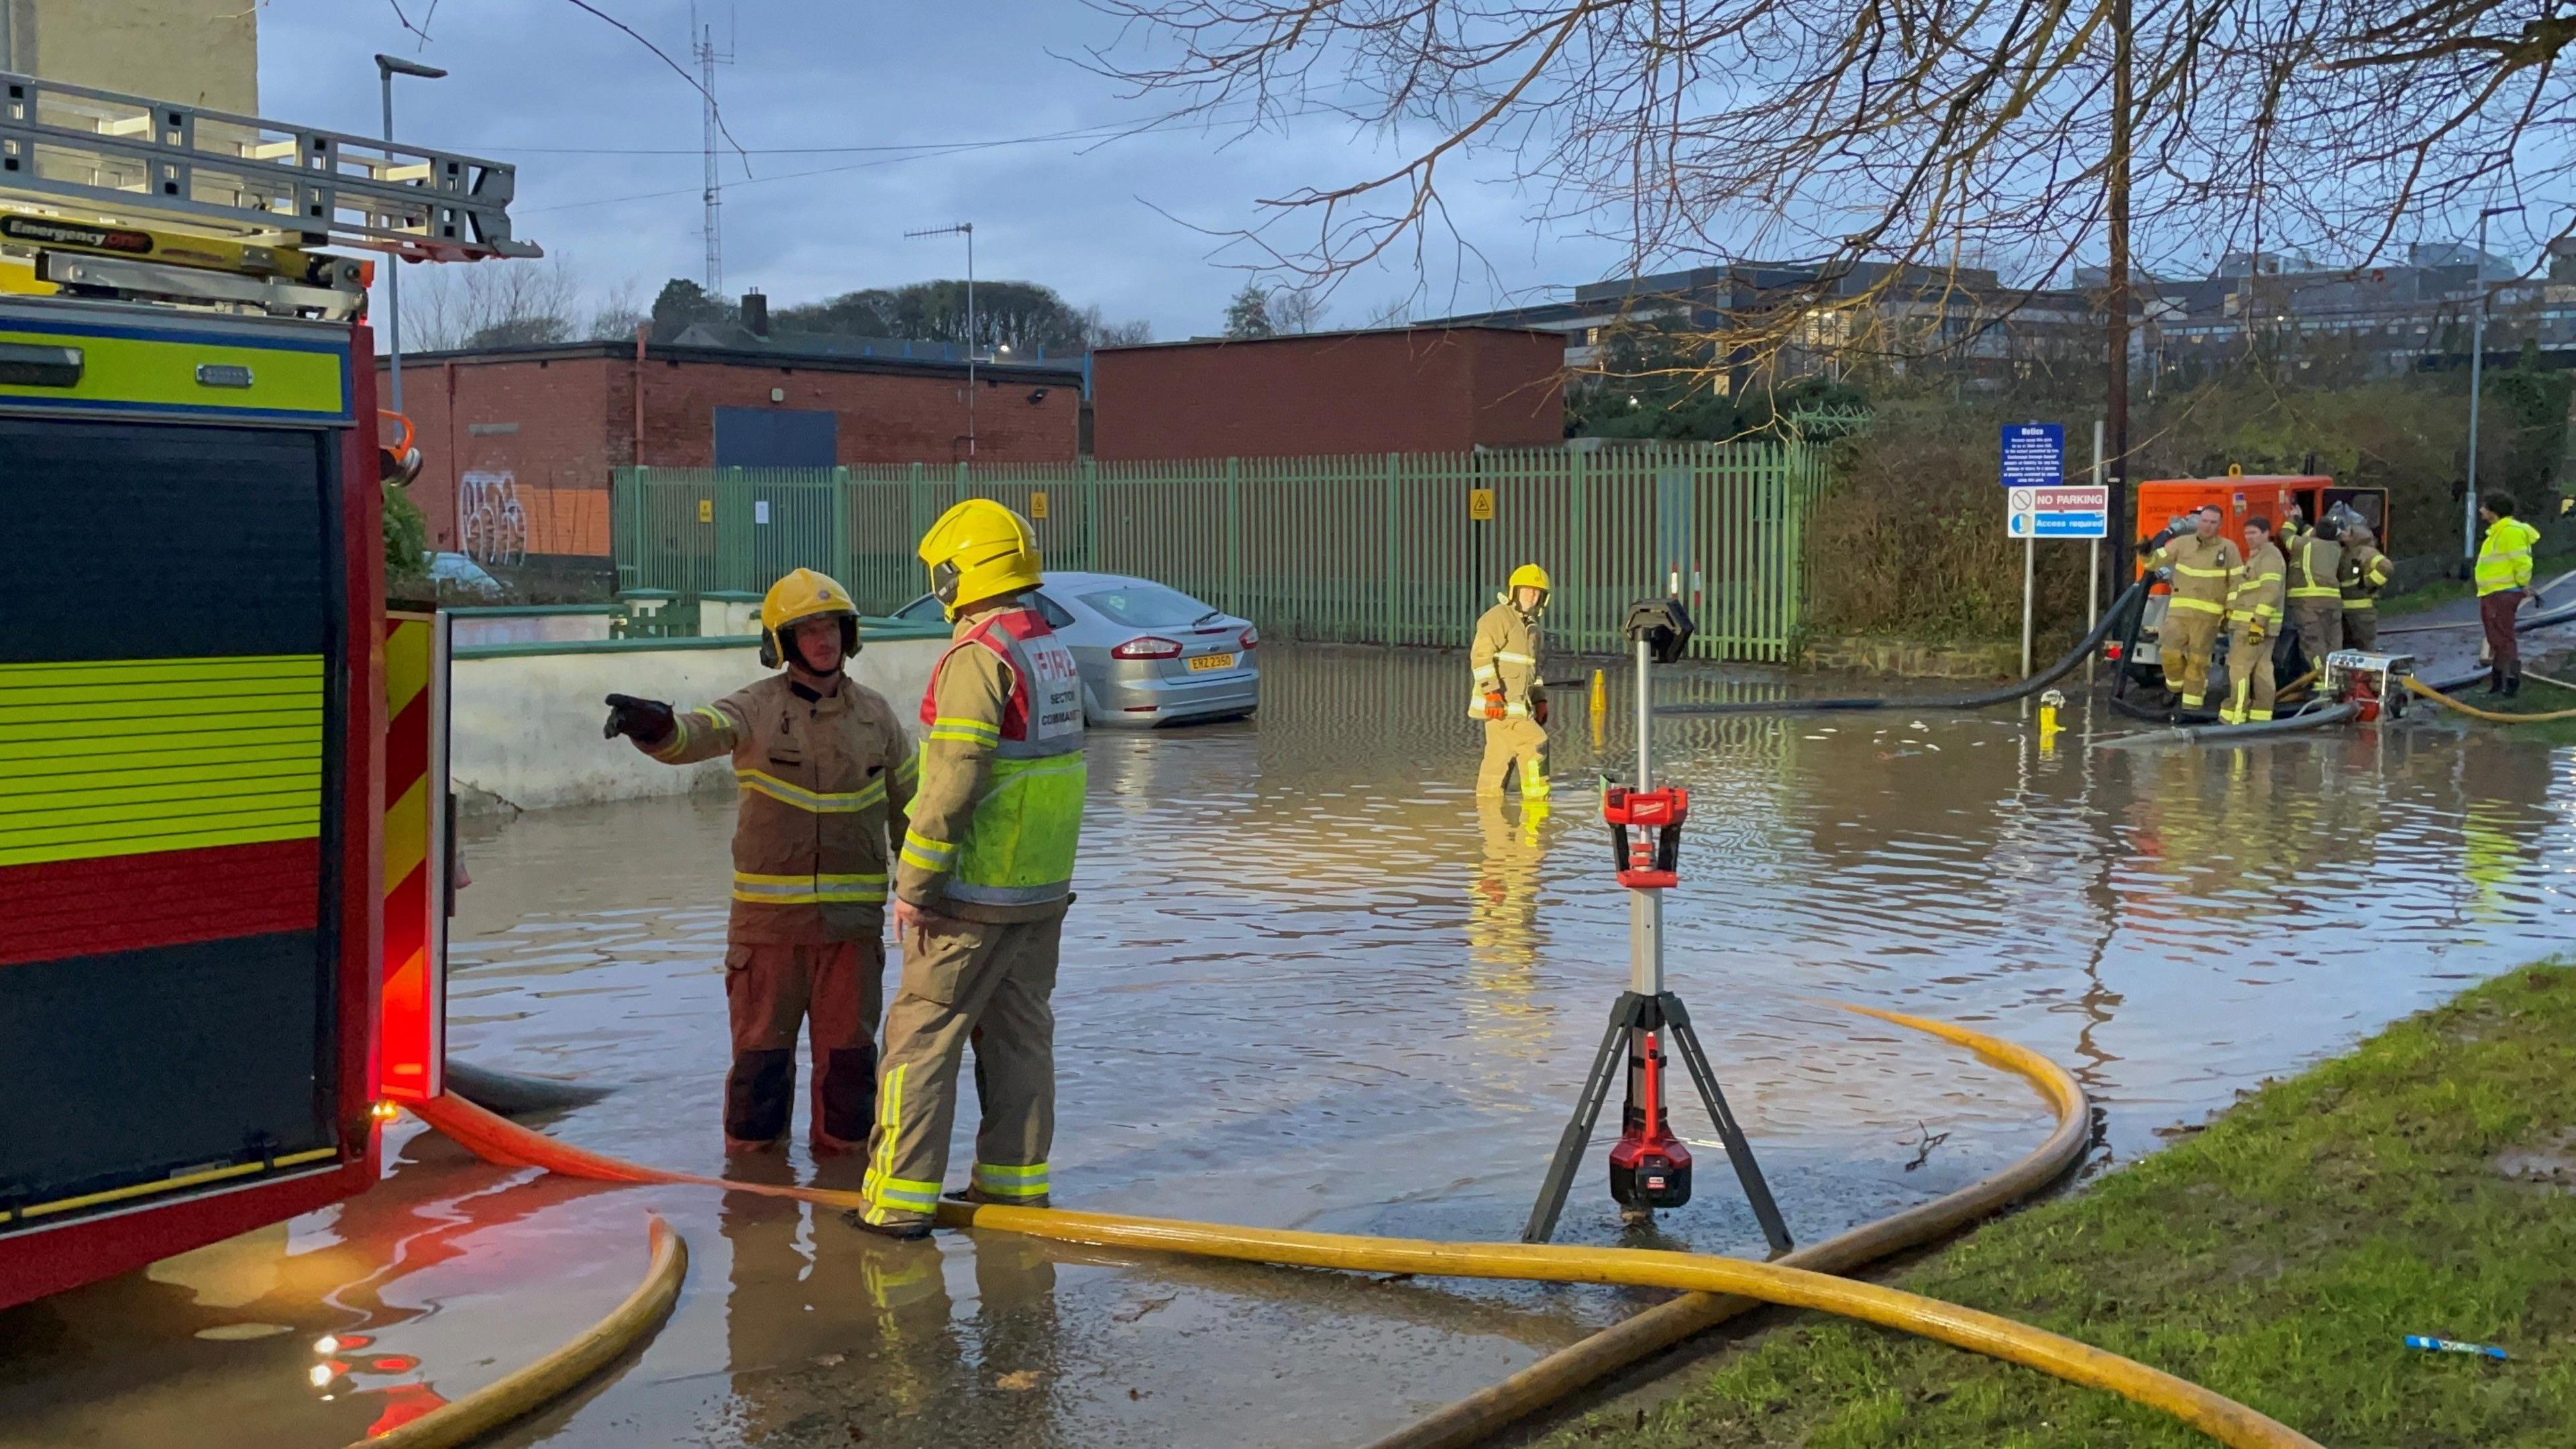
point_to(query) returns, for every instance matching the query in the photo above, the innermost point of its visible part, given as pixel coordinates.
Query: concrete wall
(1402, 390)
(197, 52)
(543, 427)
(524, 725)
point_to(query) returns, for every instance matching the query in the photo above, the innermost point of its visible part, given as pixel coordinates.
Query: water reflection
(1311, 981)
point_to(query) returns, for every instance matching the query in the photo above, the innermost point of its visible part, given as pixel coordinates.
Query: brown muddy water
(1312, 983)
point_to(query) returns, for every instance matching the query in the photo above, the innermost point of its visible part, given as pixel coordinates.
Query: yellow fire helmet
(804, 594)
(1529, 576)
(979, 550)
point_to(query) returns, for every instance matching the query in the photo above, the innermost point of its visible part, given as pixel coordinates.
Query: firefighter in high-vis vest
(2365, 572)
(2253, 622)
(825, 777)
(2203, 568)
(981, 884)
(2314, 564)
(1509, 695)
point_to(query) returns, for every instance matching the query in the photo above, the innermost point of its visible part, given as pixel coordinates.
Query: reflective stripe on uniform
(820, 802)
(1020, 848)
(2359, 604)
(1511, 658)
(2206, 606)
(670, 749)
(927, 854)
(1022, 1182)
(808, 890)
(965, 731)
(889, 1196)
(2190, 572)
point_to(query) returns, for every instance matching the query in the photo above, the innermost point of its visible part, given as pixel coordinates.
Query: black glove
(1538, 710)
(648, 721)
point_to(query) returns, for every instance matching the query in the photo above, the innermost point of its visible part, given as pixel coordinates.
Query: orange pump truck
(2163, 502)
(221, 769)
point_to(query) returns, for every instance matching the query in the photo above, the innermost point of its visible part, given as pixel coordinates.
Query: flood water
(1311, 982)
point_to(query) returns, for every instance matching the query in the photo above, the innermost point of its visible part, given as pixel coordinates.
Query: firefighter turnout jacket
(2204, 572)
(826, 782)
(2315, 569)
(2256, 600)
(1504, 655)
(2365, 573)
(999, 813)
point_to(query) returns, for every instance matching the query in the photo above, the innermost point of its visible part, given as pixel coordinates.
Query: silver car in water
(1150, 655)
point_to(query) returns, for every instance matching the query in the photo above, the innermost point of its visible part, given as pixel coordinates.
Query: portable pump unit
(2376, 682)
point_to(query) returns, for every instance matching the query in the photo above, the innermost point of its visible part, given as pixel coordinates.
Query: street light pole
(2477, 368)
(387, 67)
(965, 229)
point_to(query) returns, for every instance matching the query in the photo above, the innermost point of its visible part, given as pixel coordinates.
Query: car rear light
(1251, 639)
(1151, 646)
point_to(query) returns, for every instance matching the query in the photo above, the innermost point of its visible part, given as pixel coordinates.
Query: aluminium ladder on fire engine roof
(104, 155)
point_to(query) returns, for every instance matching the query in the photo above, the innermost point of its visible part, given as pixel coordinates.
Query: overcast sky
(1122, 222)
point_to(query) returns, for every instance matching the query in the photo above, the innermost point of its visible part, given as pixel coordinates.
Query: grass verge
(2278, 1257)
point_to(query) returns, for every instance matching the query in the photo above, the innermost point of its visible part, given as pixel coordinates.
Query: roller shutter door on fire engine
(170, 652)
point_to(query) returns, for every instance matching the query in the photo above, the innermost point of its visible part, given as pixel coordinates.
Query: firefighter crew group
(2320, 585)
(971, 838)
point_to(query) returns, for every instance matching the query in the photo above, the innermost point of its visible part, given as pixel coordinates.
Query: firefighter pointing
(825, 780)
(981, 884)
(1509, 696)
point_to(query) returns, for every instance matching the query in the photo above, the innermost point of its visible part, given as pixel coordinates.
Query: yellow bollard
(1600, 707)
(2049, 704)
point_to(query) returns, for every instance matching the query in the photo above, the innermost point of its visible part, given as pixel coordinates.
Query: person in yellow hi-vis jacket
(981, 884)
(2253, 622)
(1509, 696)
(825, 777)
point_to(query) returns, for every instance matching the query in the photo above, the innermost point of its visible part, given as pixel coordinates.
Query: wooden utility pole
(2115, 297)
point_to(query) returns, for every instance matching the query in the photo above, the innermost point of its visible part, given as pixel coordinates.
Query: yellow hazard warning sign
(1037, 504)
(706, 510)
(1480, 504)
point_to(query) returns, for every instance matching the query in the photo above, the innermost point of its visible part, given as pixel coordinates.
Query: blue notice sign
(2034, 455)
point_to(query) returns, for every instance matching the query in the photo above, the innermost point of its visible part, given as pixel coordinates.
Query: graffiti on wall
(490, 522)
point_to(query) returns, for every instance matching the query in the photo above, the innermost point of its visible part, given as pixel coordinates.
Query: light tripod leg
(1756, 1191)
(1607, 1063)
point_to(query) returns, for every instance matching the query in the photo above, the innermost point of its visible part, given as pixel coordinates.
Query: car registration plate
(1212, 661)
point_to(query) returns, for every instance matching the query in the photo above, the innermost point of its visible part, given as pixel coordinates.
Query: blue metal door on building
(776, 438)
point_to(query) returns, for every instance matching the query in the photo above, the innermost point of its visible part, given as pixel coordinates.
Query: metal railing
(1382, 549)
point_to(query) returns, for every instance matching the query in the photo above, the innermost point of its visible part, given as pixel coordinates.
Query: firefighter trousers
(834, 991)
(2184, 642)
(1508, 742)
(2320, 625)
(990, 983)
(2250, 682)
(2361, 627)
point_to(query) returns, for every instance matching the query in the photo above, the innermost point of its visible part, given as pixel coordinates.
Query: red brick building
(541, 428)
(1391, 390)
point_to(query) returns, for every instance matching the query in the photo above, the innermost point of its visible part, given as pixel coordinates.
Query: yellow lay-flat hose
(2221, 1418)
(1472, 1418)
(2419, 687)
(558, 1373)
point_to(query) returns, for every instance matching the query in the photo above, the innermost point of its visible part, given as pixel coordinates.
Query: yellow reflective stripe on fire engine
(2206, 606)
(820, 802)
(999, 1181)
(808, 890)
(964, 730)
(1508, 657)
(304, 379)
(921, 851)
(125, 757)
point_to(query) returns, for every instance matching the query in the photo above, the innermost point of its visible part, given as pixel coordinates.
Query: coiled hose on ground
(1720, 1285)
(2127, 603)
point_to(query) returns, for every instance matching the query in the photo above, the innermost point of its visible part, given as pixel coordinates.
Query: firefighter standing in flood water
(2204, 568)
(2253, 622)
(1509, 696)
(982, 884)
(826, 779)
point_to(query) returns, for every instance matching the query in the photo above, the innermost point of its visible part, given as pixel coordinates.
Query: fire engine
(221, 792)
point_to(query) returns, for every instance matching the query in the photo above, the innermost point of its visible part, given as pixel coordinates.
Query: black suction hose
(2126, 604)
(2228, 734)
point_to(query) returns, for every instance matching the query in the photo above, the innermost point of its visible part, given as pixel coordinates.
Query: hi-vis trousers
(991, 983)
(1520, 741)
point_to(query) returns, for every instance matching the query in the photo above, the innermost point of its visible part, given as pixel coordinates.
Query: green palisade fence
(1376, 549)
